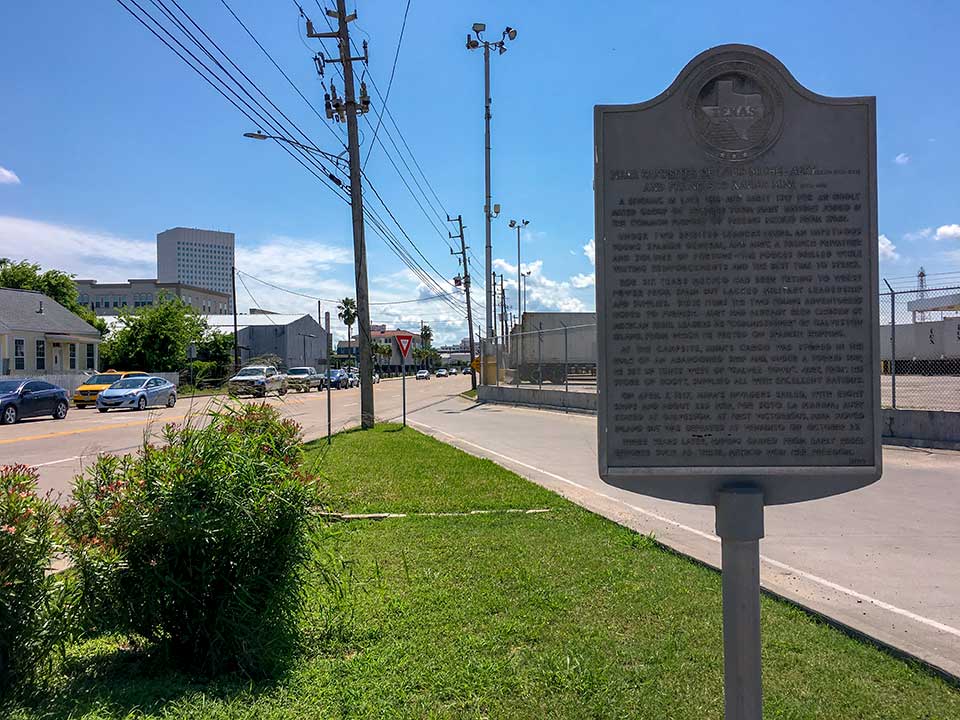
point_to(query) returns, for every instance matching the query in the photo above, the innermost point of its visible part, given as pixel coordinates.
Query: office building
(199, 258)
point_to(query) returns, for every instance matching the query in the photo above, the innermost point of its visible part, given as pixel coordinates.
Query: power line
(332, 300)
(393, 71)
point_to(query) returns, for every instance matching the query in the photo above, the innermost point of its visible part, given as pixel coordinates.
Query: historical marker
(737, 285)
(737, 308)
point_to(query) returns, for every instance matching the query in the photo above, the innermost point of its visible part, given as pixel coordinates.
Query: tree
(215, 351)
(380, 351)
(426, 336)
(347, 312)
(154, 338)
(55, 284)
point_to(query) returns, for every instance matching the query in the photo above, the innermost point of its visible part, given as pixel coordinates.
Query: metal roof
(20, 310)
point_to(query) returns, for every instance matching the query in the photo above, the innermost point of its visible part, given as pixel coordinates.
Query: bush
(29, 623)
(200, 545)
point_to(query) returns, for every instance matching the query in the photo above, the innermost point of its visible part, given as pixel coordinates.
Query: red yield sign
(404, 342)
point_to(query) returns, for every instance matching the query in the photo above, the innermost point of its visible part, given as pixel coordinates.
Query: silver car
(304, 379)
(137, 393)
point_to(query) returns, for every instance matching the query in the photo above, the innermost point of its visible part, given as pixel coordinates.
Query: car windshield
(8, 386)
(128, 383)
(298, 371)
(102, 379)
(250, 372)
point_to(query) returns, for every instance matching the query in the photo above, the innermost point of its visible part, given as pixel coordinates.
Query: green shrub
(30, 626)
(199, 545)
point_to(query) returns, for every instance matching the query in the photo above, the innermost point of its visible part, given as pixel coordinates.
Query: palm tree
(381, 351)
(426, 335)
(347, 312)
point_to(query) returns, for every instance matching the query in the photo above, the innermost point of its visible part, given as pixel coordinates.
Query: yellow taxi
(86, 394)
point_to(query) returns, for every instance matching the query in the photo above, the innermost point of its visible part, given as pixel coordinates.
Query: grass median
(504, 614)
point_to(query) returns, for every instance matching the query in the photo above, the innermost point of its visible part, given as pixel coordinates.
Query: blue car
(339, 379)
(136, 393)
(23, 398)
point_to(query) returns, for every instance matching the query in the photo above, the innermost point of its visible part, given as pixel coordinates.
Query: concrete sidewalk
(882, 560)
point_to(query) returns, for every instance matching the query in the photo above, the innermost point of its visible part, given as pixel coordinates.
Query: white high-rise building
(201, 258)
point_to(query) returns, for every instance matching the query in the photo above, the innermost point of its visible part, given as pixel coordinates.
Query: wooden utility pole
(347, 109)
(466, 288)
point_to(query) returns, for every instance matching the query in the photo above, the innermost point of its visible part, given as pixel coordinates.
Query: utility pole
(503, 312)
(492, 308)
(347, 109)
(236, 337)
(488, 212)
(466, 288)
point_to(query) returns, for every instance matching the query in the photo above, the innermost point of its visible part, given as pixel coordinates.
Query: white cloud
(583, 280)
(590, 251)
(921, 234)
(888, 251)
(543, 293)
(902, 159)
(8, 177)
(948, 232)
(84, 253)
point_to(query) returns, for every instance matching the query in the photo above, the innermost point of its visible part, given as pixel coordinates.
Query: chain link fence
(556, 358)
(919, 353)
(920, 349)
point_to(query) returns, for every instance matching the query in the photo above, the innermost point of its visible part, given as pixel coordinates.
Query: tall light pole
(474, 41)
(519, 226)
(523, 298)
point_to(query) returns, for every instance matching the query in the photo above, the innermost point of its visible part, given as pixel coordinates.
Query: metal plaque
(737, 298)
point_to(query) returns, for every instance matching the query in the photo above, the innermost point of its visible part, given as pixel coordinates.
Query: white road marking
(56, 462)
(712, 538)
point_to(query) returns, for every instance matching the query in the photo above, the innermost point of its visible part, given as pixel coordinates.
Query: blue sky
(107, 138)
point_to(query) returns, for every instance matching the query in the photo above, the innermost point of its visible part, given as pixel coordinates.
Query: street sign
(475, 364)
(404, 342)
(738, 309)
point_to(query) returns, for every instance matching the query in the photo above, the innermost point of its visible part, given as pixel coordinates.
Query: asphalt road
(61, 448)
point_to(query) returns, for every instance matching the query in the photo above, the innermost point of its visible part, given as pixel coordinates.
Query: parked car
(423, 375)
(353, 378)
(339, 379)
(375, 378)
(304, 379)
(136, 393)
(257, 380)
(26, 397)
(465, 371)
(442, 372)
(86, 395)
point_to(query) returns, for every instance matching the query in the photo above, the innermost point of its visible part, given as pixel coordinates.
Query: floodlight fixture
(511, 33)
(479, 27)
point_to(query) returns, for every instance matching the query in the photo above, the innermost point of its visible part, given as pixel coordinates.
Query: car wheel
(80, 406)
(103, 410)
(141, 403)
(9, 415)
(171, 399)
(60, 411)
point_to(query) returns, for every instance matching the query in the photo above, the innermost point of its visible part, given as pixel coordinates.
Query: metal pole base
(740, 527)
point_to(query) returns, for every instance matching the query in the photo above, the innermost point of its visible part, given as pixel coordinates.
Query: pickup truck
(257, 380)
(304, 379)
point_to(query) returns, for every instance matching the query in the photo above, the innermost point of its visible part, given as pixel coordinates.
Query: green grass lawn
(554, 615)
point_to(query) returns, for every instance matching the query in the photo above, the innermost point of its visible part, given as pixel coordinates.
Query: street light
(519, 226)
(309, 148)
(474, 41)
(305, 336)
(523, 304)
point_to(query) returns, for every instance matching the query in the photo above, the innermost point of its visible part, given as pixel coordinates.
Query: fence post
(540, 356)
(496, 361)
(519, 347)
(893, 350)
(893, 346)
(566, 370)
(483, 361)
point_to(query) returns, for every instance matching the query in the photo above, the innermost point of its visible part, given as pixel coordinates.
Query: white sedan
(423, 375)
